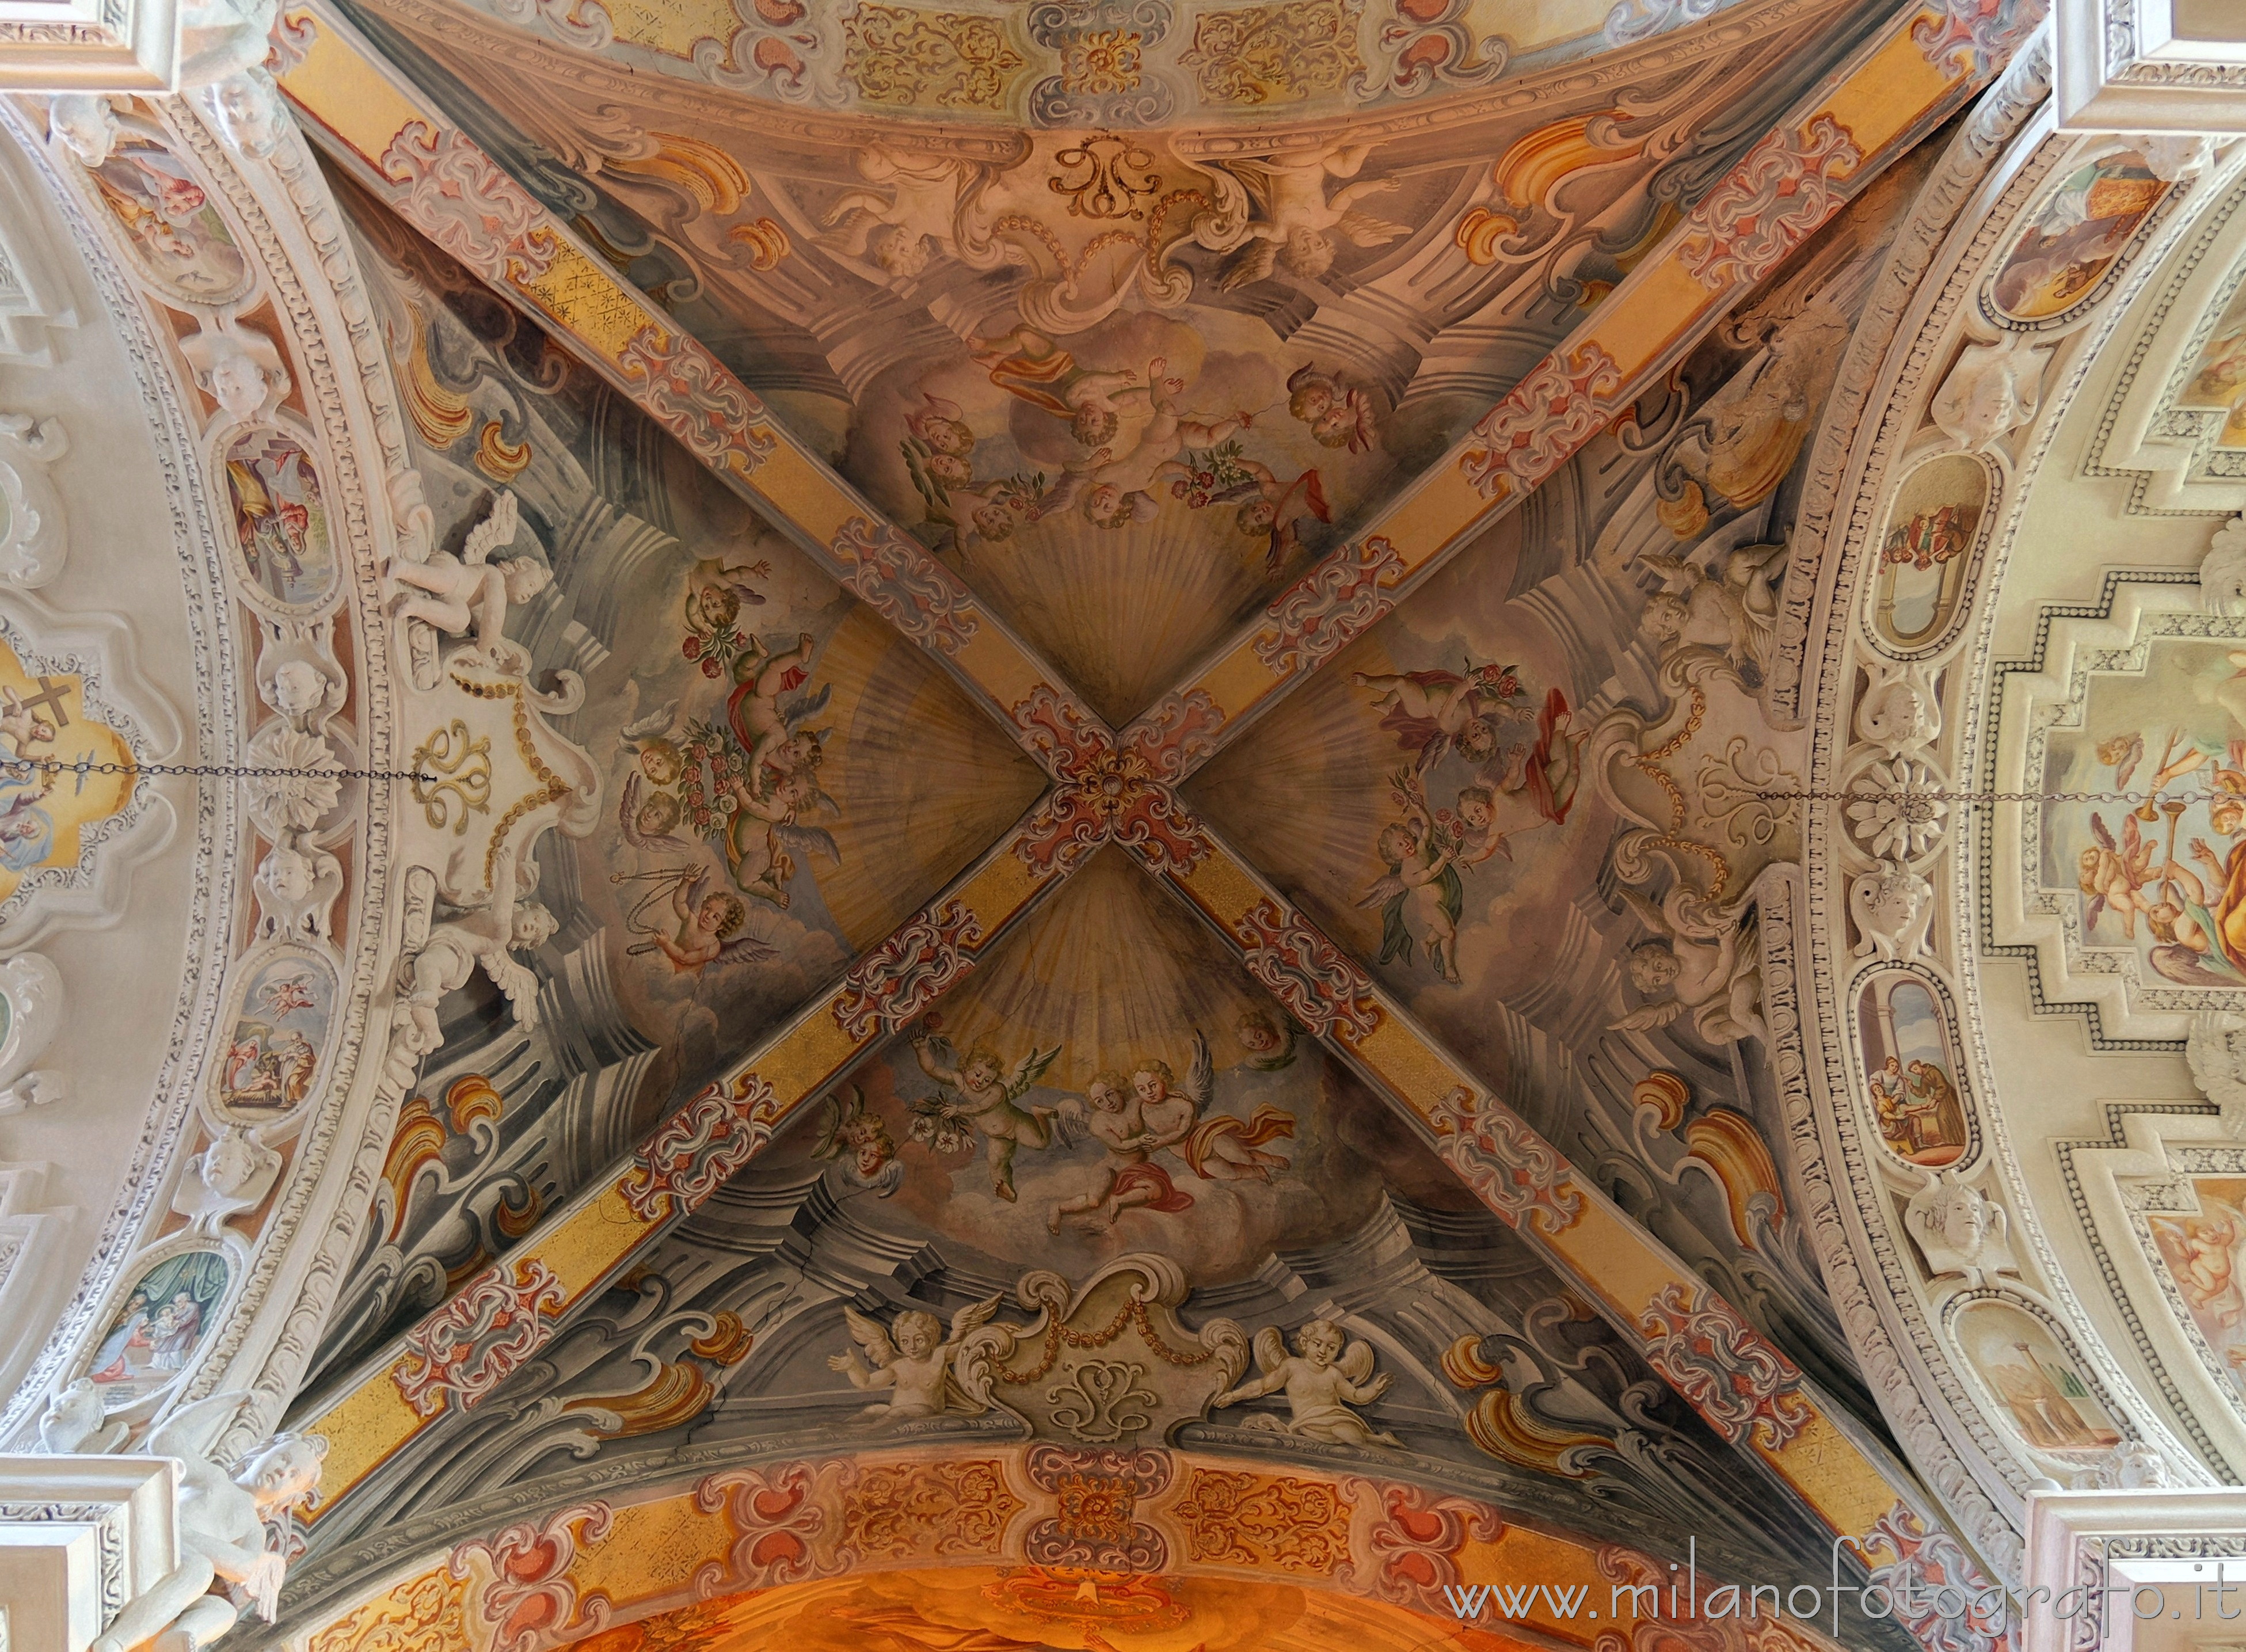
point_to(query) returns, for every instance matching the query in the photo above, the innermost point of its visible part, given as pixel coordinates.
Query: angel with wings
(646, 818)
(853, 1134)
(1339, 414)
(1697, 959)
(1422, 884)
(1733, 612)
(222, 1520)
(1324, 1376)
(1299, 218)
(706, 924)
(2114, 874)
(1216, 1147)
(978, 1092)
(470, 591)
(917, 1367)
(762, 862)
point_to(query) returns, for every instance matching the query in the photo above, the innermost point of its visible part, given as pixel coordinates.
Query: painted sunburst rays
(1123, 612)
(1426, 799)
(1112, 970)
(929, 780)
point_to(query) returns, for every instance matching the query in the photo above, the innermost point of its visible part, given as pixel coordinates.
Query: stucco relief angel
(221, 1525)
(1296, 219)
(486, 937)
(1729, 608)
(470, 592)
(1700, 959)
(918, 1368)
(1324, 1376)
(913, 207)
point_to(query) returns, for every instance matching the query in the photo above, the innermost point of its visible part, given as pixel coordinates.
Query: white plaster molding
(34, 529)
(2165, 1540)
(29, 1231)
(79, 1536)
(1903, 1289)
(89, 45)
(211, 813)
(32, 993)
(2149, 66)
(33, 299)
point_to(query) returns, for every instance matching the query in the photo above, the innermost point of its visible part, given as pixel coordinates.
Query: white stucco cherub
(221, 1526)
(297, 885)
(1324, 1376)
(917, 1367)
(469, 593)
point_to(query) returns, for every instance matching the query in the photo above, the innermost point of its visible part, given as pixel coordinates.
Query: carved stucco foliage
(207, 814)
(1884, 1280)
(280, 210)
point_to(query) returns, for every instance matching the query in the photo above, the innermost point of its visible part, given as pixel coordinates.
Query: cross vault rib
(416, 161)
(1112, 789)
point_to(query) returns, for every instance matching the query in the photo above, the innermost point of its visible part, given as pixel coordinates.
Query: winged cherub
(1696, 960)
(1219, 1147)
(983, 1094)
(706, 925)
(917, 1367)
(853, 1133)
(223, 1530)
(470, 592)
(2114, 874)
(1300, 219)
(1324, 1376)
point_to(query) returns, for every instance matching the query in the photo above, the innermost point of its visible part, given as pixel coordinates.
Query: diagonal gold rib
(395, 141)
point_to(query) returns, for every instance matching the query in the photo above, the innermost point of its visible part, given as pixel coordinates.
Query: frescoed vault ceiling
(1164, 648)
(1100, 1156)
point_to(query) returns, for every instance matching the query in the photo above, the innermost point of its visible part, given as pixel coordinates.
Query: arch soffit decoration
(1929, 1255)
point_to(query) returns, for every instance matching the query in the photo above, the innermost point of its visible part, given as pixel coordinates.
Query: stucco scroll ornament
(2222, 570)
(76, 1422)
(1959, 1229)
(31, 989)
(1992, 391)
(222, 1531)
(86, 124)
(2217, 1067)
(34, 540)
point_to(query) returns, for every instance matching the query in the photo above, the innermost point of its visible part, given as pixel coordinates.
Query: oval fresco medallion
(2040, 1388)
(1910, 1070)
(2069, 243)
(280, 520)
(159, 1323)
(177, 240)
(1926, 550)
(279, 1022)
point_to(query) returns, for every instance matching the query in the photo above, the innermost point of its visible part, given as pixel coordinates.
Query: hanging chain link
(1910, 794)
(24, 766)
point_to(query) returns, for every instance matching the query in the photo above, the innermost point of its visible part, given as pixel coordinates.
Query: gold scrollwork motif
(1105, 177)
(465, 764)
